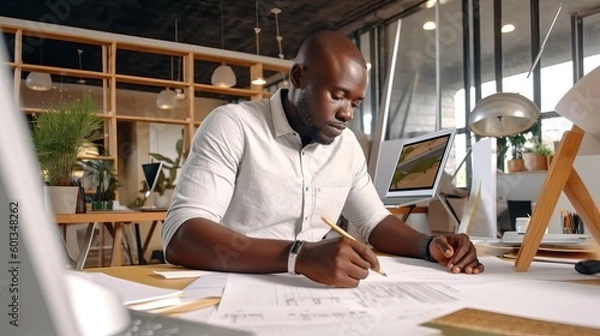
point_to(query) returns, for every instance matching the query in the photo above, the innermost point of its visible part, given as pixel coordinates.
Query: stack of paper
(138, 296)
(561, 248)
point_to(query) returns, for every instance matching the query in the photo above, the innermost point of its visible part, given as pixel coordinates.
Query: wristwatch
(294, 251)
(425, 253)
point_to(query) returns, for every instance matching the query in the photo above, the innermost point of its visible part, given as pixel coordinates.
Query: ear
(298, 76)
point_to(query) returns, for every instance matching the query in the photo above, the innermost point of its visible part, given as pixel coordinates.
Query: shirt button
(306, 189)
(306, 218)
(302, 153)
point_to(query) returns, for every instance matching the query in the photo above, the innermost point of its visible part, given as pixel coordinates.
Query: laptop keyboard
(148, 324)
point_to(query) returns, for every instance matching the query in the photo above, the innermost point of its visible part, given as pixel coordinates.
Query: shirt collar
(280, 121)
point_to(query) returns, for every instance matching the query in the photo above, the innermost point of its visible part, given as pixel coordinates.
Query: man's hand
(456, 252)
(338, 262)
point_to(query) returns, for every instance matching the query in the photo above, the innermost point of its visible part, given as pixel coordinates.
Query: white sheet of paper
(205, 286)
(182, 274)
(277, 304)
(144, 297)
(406, 269)
(581, 105)
(561, 302)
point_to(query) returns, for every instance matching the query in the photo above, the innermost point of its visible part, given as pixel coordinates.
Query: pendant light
(179, 94)
(39, 81)
(279, 38)
(167, 98)
(258, 80)
(223, 76)
(80, 80)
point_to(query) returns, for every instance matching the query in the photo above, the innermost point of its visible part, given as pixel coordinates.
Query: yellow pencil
(347, 235)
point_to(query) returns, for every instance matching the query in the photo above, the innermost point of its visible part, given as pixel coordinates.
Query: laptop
(39, 294)
(151, 173)
(409, 170)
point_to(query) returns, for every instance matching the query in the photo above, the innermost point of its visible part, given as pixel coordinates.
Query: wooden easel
(561, 177)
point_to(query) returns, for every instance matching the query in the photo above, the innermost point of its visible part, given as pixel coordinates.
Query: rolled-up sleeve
(207, 179)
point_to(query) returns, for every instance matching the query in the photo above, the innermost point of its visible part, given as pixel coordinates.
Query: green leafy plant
(543, 150)
(103, 177)
(517, 142)
(168, 174)
(58, 134)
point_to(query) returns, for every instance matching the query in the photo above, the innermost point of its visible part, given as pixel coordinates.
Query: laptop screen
(418, 165)
(411, 168)
(151, 173)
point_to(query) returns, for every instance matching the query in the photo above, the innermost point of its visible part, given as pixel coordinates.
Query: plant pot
(515, 165)
(61, 200)
(102, 205)
(163, 201)
(533, 161)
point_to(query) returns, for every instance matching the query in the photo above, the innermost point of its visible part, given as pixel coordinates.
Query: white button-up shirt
(247, 169)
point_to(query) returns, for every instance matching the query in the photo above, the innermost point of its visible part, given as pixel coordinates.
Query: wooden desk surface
(466, 321)
(111, 216)
(145, 274)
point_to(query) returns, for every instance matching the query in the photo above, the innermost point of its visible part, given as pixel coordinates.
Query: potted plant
(58, 134)
(104, 180)
(533, 156)
(546, 152)
(515, 163)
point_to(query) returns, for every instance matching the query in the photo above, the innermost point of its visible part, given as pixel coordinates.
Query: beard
(306, 117)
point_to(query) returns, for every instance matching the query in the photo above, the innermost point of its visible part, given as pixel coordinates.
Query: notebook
(39, 295)
(409, 170)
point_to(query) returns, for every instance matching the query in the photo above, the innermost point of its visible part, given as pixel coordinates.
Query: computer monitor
(409, 170)
(151, 174)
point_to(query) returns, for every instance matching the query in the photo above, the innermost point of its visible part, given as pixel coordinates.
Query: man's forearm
(393, 236)
(203, 244)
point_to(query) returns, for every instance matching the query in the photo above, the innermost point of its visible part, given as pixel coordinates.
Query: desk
(144, 274)
(114, 220)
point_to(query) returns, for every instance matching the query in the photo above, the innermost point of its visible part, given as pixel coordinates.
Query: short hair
(328, 43)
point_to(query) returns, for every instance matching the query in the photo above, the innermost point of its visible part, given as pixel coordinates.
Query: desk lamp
(503, 114)
(500, 114)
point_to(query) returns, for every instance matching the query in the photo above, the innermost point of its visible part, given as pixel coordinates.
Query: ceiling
(199, 23)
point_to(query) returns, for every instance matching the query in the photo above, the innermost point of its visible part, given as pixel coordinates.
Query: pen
(347, 235)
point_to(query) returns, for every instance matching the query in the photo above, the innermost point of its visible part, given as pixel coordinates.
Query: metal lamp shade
(223, 76)
(39, 81)
(166, 99)
(503, 114)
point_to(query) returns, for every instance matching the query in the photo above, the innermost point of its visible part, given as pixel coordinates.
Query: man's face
(335, 88)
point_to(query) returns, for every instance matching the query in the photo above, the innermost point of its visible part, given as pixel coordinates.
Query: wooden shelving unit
(110, 45)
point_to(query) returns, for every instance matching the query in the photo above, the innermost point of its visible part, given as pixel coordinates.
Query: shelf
(226, 91)
(49, 109)
(65, 71)
(92, 157)
(152, 120)
(150, 81)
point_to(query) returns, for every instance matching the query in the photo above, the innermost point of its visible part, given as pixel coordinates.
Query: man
(260, 175)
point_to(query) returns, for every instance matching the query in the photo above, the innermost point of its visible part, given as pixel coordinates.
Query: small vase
(162, 201)
(515, 165)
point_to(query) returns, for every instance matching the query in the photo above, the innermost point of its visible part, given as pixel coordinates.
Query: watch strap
(293, 255)
(425, 252)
